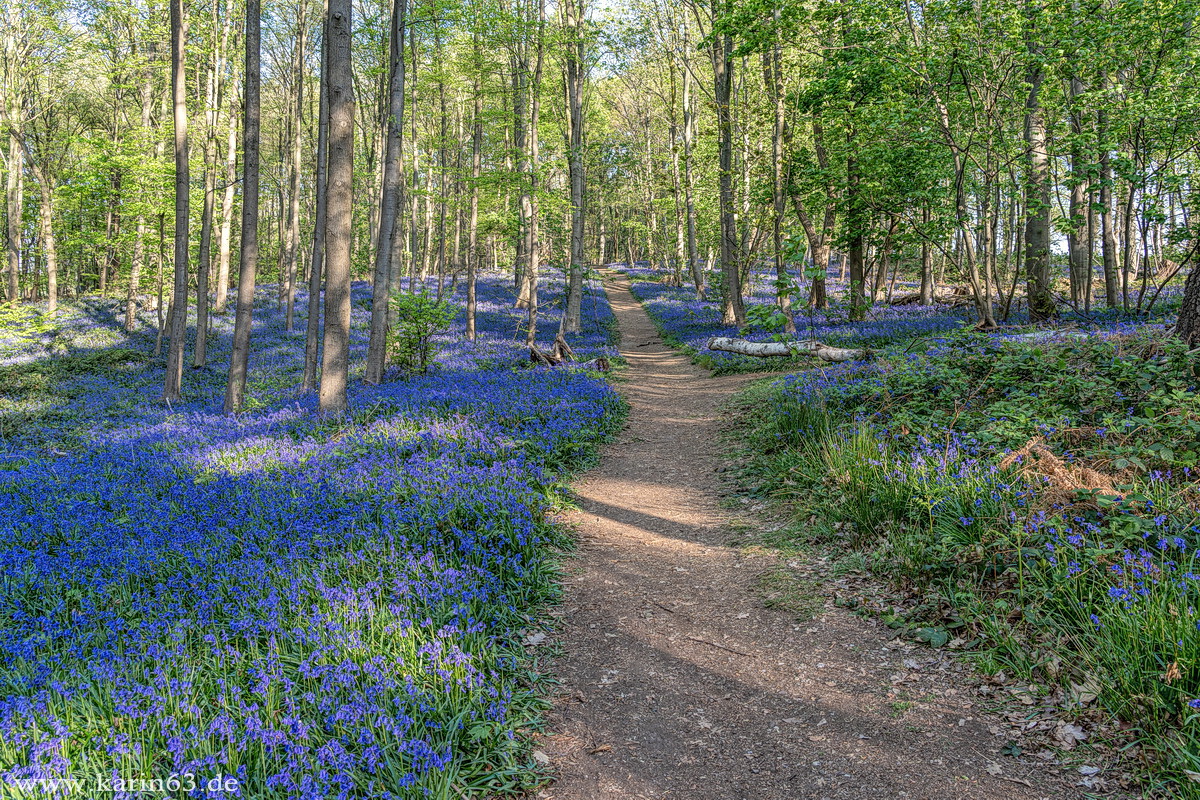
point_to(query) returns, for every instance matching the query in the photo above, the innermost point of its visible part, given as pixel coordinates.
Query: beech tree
(239, 360)
(174, 377)
(339, 211)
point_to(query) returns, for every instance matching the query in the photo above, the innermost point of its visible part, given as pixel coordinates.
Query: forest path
(678, 683)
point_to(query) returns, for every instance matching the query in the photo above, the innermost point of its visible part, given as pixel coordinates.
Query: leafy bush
(420, 317)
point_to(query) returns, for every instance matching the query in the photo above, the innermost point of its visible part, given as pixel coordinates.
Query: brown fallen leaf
(604, 748)
(1069, 735)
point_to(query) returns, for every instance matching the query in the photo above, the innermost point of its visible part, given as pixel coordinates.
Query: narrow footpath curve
(678, 683)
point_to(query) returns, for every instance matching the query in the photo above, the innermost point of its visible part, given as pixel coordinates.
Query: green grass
(1076, 569)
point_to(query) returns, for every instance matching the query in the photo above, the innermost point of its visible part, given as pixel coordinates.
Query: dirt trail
(678, 683)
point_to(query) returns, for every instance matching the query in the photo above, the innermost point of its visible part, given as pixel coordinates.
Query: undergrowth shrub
(420, 317)
(1044, 492)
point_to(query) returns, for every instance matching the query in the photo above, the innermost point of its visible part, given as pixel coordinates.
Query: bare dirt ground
(679, 683)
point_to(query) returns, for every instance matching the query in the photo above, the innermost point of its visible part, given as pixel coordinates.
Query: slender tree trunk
(689, 183)
(159, 262)
(248, 261)
(200, 356)
(393, 187)
(225, 240)
(1129, 254)
(339, 213)
(533, 248)
(732, 310)
(49, 244)
(292, 245)
(1108, 236)
(312, 335)
(15, 209)
(856, 233)
(1079, 242)
(203, 276)
(574, 14)
(1037, 190)
(172, 389)
(926, 259)
(475, 255)
(773, 78)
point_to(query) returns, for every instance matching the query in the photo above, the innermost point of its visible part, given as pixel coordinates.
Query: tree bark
(573, 15)
(248, 260)
(1037, 186)
(49, 244)
(15, 209)
(475, 253)
(1108, 235)
(733, 312)
(773, 79)
(1187, 327)
(172, 388)
(926, 259)
(689, 181)
(533, 246)
(390, 203)
(312, 336)
(291, 255)
(225, 239)
(339, 213)
(808, 347)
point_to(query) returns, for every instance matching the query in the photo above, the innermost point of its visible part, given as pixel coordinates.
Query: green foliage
(1088, 562)
(420, 317)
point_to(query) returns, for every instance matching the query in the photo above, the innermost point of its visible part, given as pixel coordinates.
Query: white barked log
(809, 347)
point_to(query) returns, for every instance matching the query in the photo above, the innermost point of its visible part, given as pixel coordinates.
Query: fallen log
(808, 347)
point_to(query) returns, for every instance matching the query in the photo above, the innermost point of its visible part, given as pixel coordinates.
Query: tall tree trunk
(339, 213)
(1129, 254)
(1037, 188)
(312, 335)
(1079, 243)
(856, 225)
(926, 258)
(475, 254)
(773, 78)
(1108, 235)
(520, 81)
(49, 244)
(573, 15)
(15, 210)
(225, 240)
(292, 244)
(533, 247)
(689, 182)
(204, 274)
(732, 310)
(393, 187)
(172, 387)
(248, 262)
(159, 261)
(200, 356)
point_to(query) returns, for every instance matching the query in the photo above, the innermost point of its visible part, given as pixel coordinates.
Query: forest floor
(679, 682)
